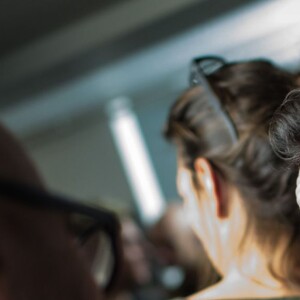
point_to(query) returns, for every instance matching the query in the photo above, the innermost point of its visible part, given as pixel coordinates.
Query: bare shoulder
(224, 291)
(213, 292)
(205, 294)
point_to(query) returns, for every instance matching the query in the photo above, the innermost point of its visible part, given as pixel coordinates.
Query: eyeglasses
(96, 230)
(201, 68)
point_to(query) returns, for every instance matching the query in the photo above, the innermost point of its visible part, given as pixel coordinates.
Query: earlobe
(210, 182)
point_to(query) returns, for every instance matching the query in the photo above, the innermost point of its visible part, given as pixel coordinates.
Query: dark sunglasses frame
(40, 199)
(199, 76)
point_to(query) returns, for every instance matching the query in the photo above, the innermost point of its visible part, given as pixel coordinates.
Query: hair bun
(285, 129)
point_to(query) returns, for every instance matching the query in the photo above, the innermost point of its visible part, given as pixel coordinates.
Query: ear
(211, 184)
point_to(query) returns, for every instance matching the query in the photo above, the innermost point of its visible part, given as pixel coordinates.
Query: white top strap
(298, 189)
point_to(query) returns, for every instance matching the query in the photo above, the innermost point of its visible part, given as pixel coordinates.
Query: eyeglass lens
(99, 252)
(96, 245)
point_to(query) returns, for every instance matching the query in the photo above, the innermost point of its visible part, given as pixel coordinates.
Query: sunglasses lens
(203, 67)
(210, 65)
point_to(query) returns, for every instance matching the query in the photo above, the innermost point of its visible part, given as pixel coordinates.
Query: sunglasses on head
(201, 68)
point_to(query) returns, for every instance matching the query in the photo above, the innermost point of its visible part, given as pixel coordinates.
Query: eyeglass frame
(34, 197)
(198, 77)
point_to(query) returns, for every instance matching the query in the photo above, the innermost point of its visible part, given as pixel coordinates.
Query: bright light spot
(136, 161)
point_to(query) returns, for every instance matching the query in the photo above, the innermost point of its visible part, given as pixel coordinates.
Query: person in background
(51, 247)
(136, 254)
(240, 201)
(285, 133)
(137, 277)
(137, 273)
(180, 254)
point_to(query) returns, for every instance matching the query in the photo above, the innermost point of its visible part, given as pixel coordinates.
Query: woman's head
(242, 192)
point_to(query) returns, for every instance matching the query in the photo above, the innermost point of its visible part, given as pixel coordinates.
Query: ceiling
(22, 22)
(49, 42)
(72, 56)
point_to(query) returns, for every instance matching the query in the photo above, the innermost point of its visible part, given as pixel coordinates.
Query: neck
(254, 268)
(250, 274)
(254, 282)
(254, 274)
(261, 254)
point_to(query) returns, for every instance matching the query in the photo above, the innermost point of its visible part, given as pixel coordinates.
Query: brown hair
(250, 92)
(285, 129)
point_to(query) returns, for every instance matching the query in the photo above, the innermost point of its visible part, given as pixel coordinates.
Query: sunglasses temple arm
(217, 105)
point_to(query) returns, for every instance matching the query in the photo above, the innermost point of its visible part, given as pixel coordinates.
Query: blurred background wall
(63, 62)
